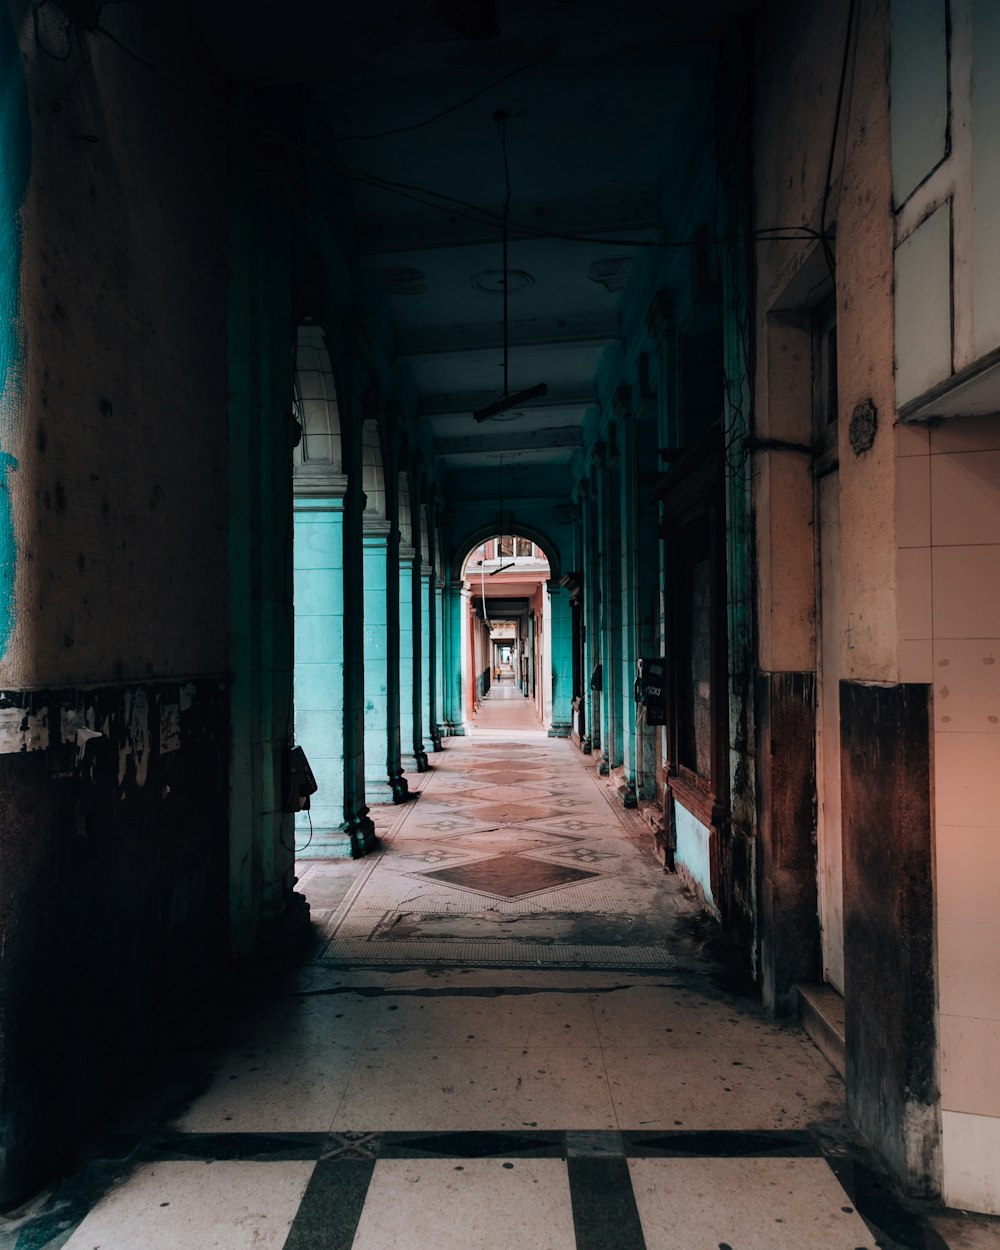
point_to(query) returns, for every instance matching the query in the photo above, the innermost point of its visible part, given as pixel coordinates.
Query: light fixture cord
(500, 494)
(500, 117)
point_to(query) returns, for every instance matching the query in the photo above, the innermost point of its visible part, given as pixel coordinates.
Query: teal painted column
(358, 824)
(393, 640)
(629, 581)
(423, 633)
(611, 607)
(455, 651)
(319, 667)
(591, 650)
(439, 724)
(426, 593)
(562, 662)
(375, 546)
(410, 746)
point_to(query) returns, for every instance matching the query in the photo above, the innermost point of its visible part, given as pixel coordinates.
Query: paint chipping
(23, 731)
(170, 728)
(138, 736)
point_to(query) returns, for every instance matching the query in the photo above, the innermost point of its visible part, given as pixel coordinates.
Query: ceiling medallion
(864, 423)
(491, 281)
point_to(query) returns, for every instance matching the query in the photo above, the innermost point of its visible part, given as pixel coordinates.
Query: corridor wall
(116, 724)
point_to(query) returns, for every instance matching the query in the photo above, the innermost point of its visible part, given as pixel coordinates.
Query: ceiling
(405, 92)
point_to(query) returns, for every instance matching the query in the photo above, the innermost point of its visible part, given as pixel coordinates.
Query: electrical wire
(404, 130)
(827, 188)
(440, 201)
(500, 117)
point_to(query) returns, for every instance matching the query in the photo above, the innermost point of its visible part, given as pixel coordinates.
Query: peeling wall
(114, 729)
(113, 911)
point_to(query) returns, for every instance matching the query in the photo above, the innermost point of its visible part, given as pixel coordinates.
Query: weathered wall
(947, 195)
(800, 50)
(118, 425)
(890, 999)
(113, 913)
(887, 860)
(950, 525)
(114, 721)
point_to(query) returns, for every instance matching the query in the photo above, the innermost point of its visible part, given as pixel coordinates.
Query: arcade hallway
(509, 1035)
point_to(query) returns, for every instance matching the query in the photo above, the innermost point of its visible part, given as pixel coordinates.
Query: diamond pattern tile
(510, 876)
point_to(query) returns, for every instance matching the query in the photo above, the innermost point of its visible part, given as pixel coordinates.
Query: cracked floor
(512, 1033)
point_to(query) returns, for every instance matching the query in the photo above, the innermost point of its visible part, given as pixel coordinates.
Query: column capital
(328, 497)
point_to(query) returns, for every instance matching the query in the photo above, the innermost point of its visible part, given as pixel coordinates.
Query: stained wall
(114, 712)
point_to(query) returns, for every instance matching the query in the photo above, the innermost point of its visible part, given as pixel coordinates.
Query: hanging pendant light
(507, 400)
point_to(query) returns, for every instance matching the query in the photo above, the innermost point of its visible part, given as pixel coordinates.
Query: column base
(326, 842)
(604, 768)
(400, 789)
(436, 744)
(628, 797)
(585, 746)
(560, 729)
(379, 790)
(361, 832)
(455, 729)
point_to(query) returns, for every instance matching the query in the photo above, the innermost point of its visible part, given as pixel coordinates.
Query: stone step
(821, 1014)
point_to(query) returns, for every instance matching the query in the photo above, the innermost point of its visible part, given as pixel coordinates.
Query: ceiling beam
(463, 403)
(449, 340)
(513, 440)
(568, 436)
(523, 483)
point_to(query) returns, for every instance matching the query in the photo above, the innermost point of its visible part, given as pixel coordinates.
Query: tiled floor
(506, 1054)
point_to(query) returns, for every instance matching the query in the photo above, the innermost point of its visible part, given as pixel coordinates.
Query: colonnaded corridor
(509, 1033)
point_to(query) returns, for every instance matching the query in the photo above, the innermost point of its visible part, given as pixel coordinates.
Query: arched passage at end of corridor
(508, 616)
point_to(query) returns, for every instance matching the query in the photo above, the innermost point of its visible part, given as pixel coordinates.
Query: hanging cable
(500, 117)
(439, 201)
(824, 240)
(453, 108)
(482, 572)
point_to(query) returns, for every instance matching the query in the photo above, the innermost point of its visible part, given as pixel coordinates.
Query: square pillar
(375, 546)
(319, 665)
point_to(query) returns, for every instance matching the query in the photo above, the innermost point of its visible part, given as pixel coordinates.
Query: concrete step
(821, 1014)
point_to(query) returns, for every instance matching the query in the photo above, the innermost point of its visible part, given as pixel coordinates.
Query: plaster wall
(113, 422)
(800, 49)
(884, 740)
(117, 419)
